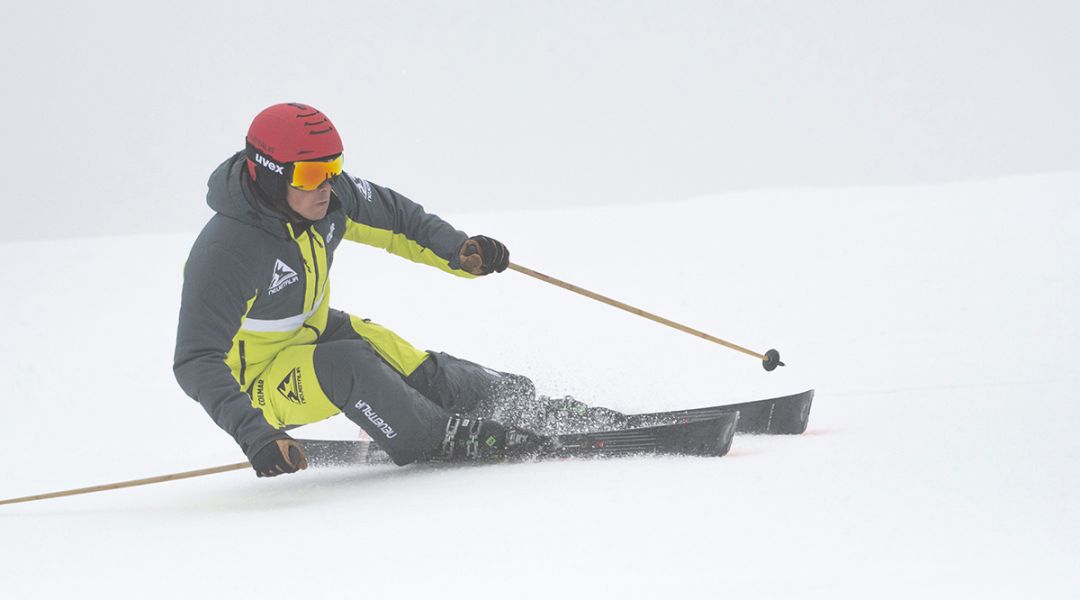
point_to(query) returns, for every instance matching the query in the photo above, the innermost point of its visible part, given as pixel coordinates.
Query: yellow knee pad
(288, 392)
(399, 354)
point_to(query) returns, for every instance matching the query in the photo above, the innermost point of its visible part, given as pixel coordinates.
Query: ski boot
(513, 401)
(554, 416)
(475, 439)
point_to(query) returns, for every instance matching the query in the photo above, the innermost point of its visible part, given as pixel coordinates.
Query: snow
(937, 323)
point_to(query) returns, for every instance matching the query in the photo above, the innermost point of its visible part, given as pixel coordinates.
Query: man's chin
(317, 213)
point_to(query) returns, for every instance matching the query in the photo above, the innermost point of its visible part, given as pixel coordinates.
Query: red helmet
(283, 134)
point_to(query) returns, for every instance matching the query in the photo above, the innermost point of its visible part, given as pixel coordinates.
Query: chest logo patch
(283, 276)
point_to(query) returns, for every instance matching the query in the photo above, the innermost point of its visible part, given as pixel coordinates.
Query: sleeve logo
(363, 187)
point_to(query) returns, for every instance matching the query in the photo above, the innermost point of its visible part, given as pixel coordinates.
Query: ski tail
(339, 453)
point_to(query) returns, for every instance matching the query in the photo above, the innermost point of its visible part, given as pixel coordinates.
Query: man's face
(310, 205)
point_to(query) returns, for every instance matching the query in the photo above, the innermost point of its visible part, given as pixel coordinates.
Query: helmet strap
(271, 194)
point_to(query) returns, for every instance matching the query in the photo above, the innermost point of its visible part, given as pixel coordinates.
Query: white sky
(116, 112)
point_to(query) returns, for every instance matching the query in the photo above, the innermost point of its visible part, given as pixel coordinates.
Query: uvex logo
(269, 164)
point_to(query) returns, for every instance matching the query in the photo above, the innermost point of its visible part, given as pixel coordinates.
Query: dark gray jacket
(255, 284)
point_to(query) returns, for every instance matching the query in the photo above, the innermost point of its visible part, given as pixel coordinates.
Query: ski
(704, 437)
(340, 453)
(708, 436)
(784, 415)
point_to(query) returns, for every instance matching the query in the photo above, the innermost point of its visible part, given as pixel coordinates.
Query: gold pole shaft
(132, 483)
(632, 309)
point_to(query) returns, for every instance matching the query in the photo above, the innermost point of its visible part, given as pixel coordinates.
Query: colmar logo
(283, 276)
(269, 164)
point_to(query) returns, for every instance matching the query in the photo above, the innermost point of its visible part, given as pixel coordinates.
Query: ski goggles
(309, 175)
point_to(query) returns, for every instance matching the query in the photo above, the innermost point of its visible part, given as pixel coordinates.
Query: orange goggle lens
(309, 176)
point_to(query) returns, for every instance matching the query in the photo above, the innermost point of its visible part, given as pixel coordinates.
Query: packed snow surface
(938, 325)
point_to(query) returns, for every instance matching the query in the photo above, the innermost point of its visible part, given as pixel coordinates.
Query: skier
(260, 348)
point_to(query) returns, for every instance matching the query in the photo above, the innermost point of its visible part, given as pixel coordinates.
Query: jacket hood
(231, 194)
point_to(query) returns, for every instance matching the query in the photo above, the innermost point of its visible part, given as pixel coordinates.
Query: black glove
(279, 456)
(481, 255)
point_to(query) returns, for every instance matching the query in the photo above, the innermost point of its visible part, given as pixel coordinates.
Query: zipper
(315, 259)
(243, 362)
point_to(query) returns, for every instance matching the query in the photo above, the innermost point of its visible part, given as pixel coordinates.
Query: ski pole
(770, 360)
(320, 453)
(132, 483)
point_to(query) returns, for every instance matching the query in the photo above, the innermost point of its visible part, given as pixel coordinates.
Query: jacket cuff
(454, 262)
(251, 448)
